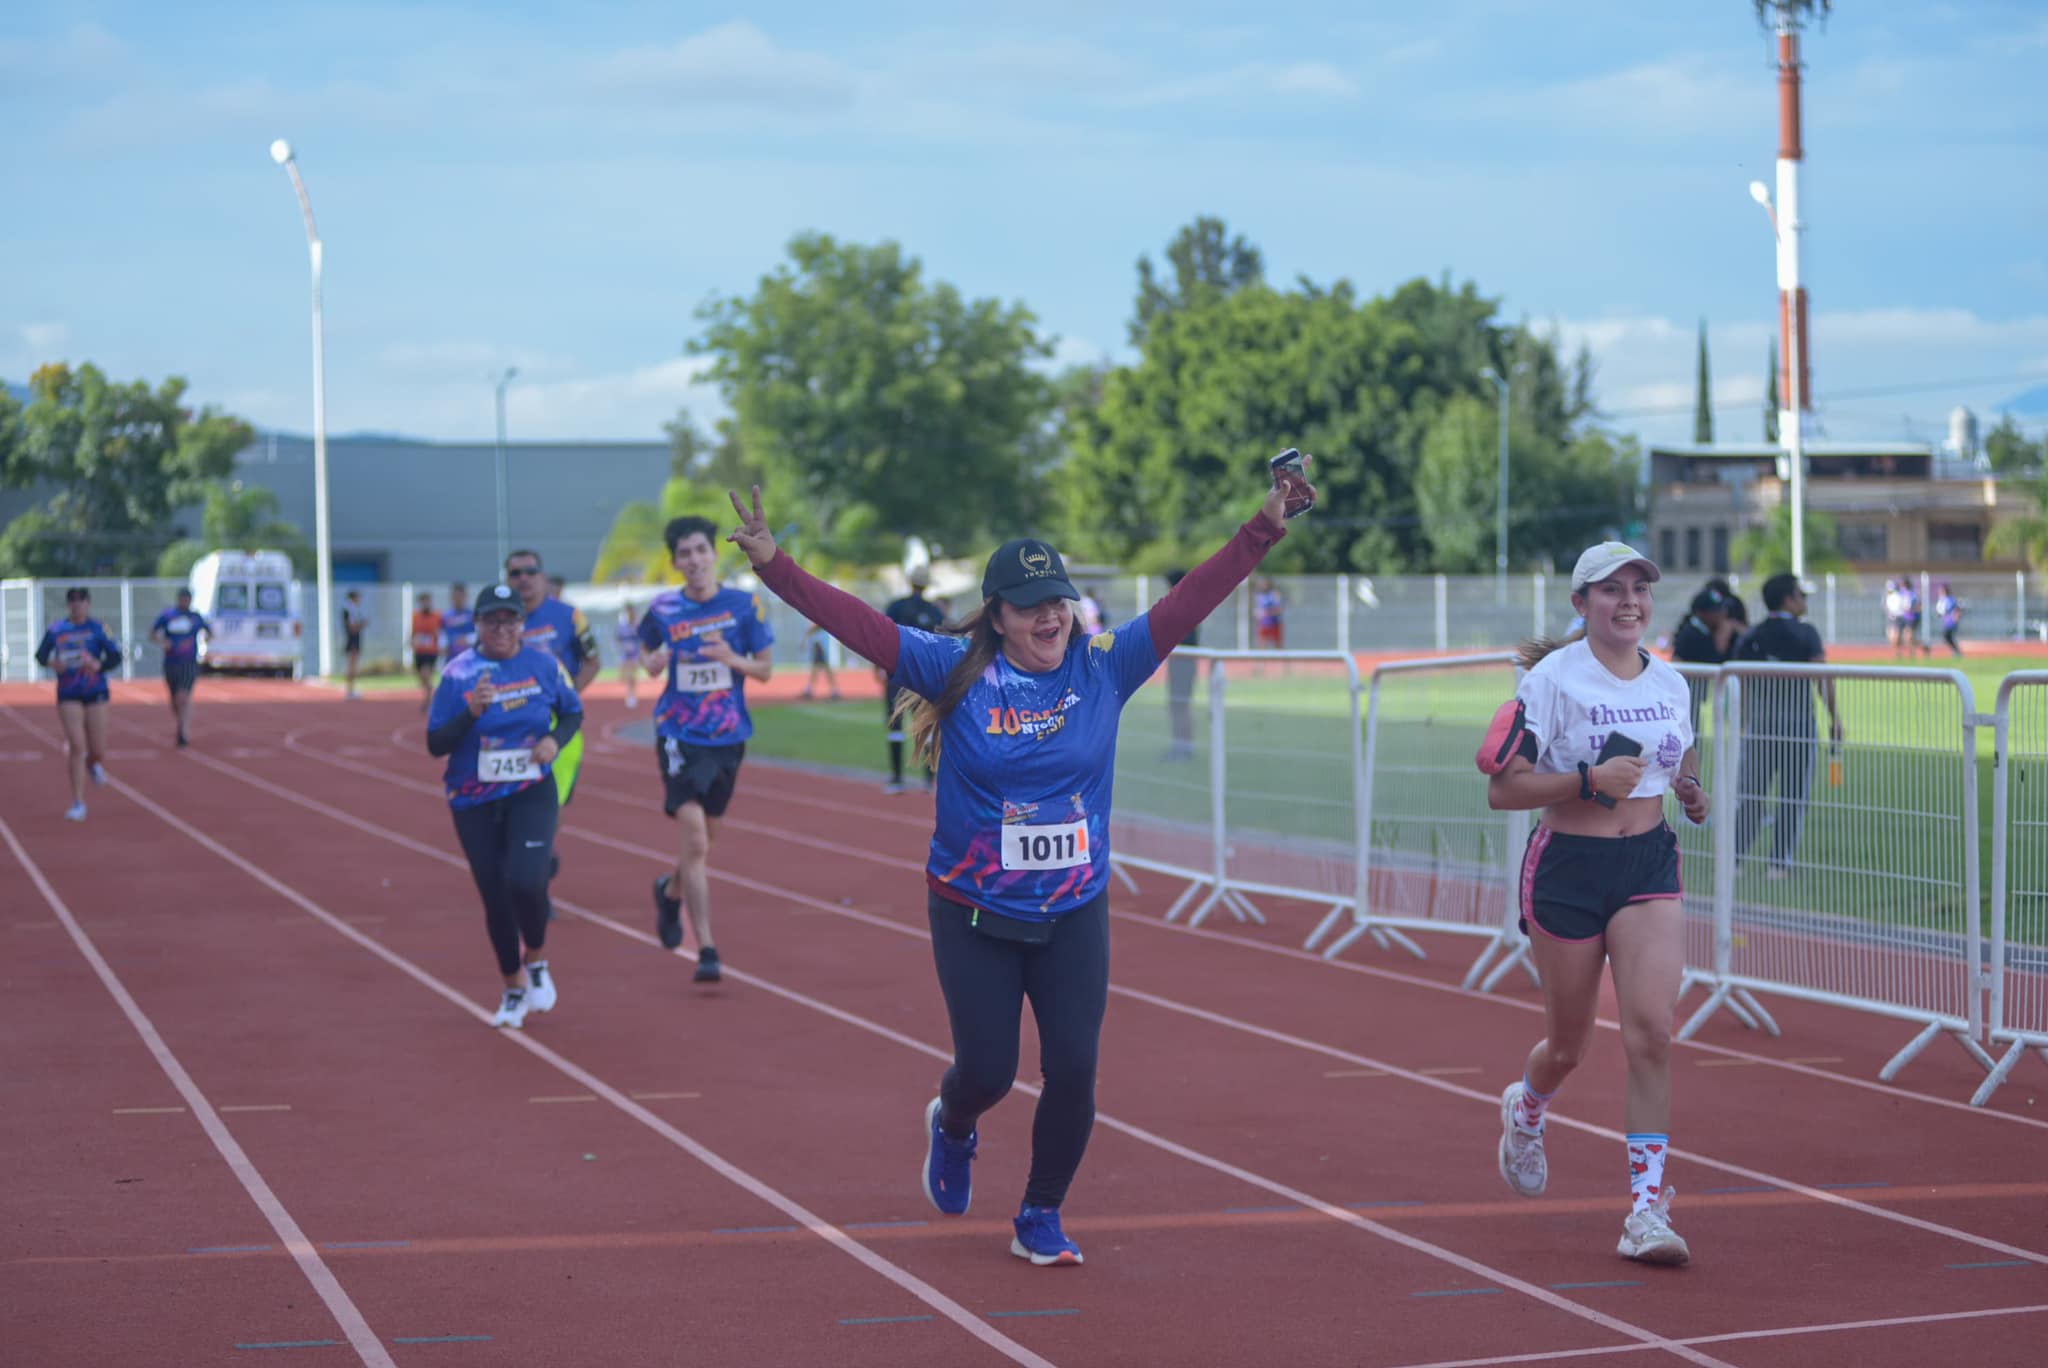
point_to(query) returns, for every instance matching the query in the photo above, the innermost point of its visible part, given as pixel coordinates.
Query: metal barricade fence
(2018, 1012)
(1239, 772)
(1849, 874)
(1432, 856)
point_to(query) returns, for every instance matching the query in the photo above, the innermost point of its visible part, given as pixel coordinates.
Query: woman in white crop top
(1609, 734)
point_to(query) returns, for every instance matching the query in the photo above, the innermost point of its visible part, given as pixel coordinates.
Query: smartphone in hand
(1290, 472)
(1616, 744)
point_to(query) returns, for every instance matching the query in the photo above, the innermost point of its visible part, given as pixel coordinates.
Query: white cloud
(734, 64)
(1246, 82)
(468, 359)
(1697, 94)
(46, 341)
(626, 406)
(82, 51)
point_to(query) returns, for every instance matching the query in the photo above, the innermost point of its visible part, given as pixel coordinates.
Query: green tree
(876, 404)
(1207, 265)
(1767, 550)
(123, 459)
(237, 517)
(1703, 397)
(2024, 538)
(1771, 395)
(2009, 451)
(1457, 485)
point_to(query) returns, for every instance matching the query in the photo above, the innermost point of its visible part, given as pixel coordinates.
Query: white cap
(920, 576)
(1600, 562)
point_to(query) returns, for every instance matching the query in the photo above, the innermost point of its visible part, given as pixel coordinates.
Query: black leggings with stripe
(509, 842)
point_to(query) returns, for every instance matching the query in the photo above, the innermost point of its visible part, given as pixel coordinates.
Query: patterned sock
(1646, 1152)
(1530, 1106)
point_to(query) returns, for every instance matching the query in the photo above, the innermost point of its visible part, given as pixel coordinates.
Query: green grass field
(1879, 845)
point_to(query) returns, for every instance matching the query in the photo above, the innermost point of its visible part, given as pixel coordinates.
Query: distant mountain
(19, 393)
(2031, 403)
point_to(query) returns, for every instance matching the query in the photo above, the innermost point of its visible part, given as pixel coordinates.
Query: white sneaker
(511, 1012)
(1647, 1236)
(1523, 1165)
(75, 813)
(99, 774)
(540, 990)
(894, 786)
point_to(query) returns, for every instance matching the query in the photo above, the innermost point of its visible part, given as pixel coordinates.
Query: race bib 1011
(508, 766)
(1045, 847)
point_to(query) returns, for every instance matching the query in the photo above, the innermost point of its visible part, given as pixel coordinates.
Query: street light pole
(1792, 422)
(323, 571)
(504, 514)
(1500, 511)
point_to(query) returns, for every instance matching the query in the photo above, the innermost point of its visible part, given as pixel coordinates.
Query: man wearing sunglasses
(561, 630)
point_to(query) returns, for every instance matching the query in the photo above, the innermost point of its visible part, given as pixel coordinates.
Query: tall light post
(1500, 511)
(323, 571)
(504, 511)
(1792, 422)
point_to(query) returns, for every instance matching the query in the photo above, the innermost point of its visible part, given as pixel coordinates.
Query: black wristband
(1586, 791)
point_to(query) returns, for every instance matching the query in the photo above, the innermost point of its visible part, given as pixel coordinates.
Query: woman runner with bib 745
(1018, 712)
(1608, 731)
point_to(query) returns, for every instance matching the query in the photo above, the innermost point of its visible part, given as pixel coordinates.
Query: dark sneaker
(668, 915)
(708, 970)
(1040, 1239)
(948, 1176)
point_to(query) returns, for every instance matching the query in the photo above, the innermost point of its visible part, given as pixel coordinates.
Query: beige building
(1893, 505)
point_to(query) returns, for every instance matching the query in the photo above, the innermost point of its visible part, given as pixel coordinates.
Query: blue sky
(557, 187)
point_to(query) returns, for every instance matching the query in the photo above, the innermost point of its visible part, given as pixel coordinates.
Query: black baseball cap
(499, 598)
(1025, 573)
(1709, 599)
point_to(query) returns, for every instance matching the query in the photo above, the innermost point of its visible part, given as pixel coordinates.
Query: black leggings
(986, 981)
(508, 842)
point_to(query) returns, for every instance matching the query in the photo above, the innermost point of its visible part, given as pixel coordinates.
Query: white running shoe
(511, 1012)
(1647, 1236)
(99, 774)
(1523, 1164)
(540, 990)
(75, 813)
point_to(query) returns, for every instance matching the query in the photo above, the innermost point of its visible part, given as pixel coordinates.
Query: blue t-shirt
(66, 647)
(704, 702)
(1026, 769)
(561, 629)
(458, 631)
(180, 628)
(533, 691)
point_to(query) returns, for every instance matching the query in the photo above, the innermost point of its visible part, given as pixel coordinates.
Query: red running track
(1294, 1159)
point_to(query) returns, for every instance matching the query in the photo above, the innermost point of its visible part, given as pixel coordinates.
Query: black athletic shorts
(352, 643)
(1573, 885)
(180, 674)
(705, 775)
(425, 660)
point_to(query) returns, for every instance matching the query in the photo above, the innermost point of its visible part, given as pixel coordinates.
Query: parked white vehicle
(251, 601)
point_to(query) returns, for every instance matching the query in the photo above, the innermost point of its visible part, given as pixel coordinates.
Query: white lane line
(1331, 1210)
(732, 1173)
(1421, 1077)
(360, 1337)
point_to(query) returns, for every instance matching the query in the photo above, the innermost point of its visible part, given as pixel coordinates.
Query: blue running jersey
(494, 760)
(704, 702)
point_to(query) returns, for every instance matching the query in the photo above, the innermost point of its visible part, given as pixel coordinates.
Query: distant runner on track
(81, 653)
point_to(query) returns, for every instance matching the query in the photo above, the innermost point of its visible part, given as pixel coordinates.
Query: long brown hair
(984, 644)
(1535, 648)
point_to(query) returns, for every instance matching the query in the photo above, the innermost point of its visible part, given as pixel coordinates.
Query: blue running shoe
(1040, 1239)
(947, 1177)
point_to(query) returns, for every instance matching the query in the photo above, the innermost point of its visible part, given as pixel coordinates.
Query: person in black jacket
(1779, 737)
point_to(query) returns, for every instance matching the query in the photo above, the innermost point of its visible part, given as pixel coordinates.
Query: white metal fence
(2019, 878)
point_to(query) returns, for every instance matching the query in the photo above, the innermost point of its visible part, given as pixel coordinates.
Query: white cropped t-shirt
(1573, 702)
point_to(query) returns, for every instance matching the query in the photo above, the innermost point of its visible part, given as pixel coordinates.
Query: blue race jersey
(181, 632)
(1026, 769)
(704, 702)
(561, 629)
(458, 631)
(491, 761)
(66, 647)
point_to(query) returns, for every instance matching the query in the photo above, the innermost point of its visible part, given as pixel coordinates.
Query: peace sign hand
(752, 535)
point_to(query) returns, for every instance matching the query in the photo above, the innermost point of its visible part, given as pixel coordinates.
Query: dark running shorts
(425, 660)
(705, 775)
(1573, 885)
(352, 643)
(180, 674)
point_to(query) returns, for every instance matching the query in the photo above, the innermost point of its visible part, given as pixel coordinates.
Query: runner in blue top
(710, 640)
(559, 628)
(1020, 714)
(176, 633)
(501, 715)
(81, 653)
(458, 624)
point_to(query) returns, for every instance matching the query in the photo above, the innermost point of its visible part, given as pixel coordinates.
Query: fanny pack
(1507, 736)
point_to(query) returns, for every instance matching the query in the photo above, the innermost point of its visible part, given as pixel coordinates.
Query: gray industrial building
(401, 509)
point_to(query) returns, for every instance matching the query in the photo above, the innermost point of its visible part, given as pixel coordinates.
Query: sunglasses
(521, 571)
